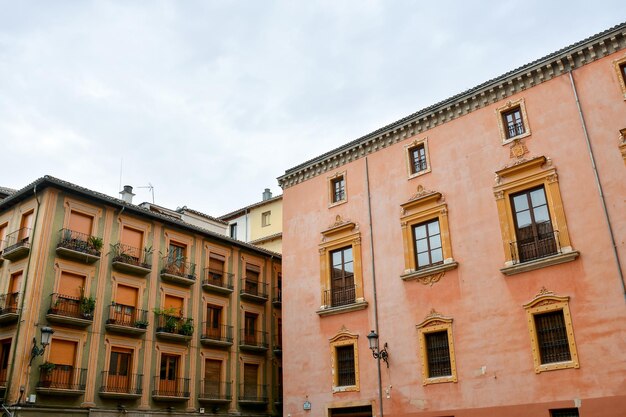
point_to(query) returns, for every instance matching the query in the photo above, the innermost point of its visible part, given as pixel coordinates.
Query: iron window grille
(345, 365)
(438, 354)
(552, 337)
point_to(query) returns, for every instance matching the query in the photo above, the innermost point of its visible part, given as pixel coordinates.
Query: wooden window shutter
(71, 284)
(63, 352)
(132, 237)
(126, 295)
(81, 223)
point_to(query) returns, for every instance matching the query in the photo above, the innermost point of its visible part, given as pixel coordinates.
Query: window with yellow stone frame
(344, 356)
(437, 349)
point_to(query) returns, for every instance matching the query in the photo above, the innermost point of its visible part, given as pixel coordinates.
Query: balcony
(127, 319)
(121, 386)
(254, 291)
(537, 251)
(341, 300)
(75, 311)
(172, 390)
(215, 392)
(9, 311)
(79, 246)
(253, 341)
(277, 345)
(17, 244)
(178, 271)
(131, 260)
(277, 299)
(217, 337)
(62, 380)
(174, 328)
(252, 395)
(216, 281)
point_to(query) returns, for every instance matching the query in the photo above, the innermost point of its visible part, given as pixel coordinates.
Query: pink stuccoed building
(482, 239)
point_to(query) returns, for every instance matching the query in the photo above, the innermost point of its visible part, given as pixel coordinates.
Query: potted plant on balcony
(169, 323)
(95, 244)
(186, 329)
(87, 305)
(46, 373)
(141, 324)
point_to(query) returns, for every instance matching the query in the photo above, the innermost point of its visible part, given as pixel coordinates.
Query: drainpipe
(19, 323)
(599, 185)
(369, 214)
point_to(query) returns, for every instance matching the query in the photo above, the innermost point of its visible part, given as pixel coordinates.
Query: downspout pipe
(23, 300)
(375, 306)
(599, 185)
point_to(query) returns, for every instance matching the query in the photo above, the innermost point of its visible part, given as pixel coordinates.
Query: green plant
(171, 319)
(96, 243)
(47, 367)
(187, 327)
(142, 324)
(87, 305)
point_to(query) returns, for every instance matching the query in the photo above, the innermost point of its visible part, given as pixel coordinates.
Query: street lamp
(46, 333)
(378, 354)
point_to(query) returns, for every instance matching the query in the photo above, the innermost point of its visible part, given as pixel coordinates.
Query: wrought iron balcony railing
(175, 387)
(215, 390)
(17, 240)
(222, 333)
(9, 303)
(79, 242)
(340, 296)
(535, 247)
(178, 267)
(253, 392)
(218, 278)
(121, 384)
(253, 288)
(62, 377)
(131, 256)
(254, 339)
(278, 295)
(123, 315)
(68, 306)
(165, 323)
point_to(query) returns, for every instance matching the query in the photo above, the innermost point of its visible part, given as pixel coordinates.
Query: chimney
(267, 194)
(127, 194)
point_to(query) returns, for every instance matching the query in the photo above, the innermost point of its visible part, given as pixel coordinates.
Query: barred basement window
(438, 353)
(552, 337)
(345, 365)
(564, 412)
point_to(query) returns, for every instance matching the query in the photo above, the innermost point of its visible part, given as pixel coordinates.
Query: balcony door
(342, 277)
(14, 288)
(124, 310)
(214, 320)
(252, 279)
(71, 288)
(212, 376)
(533, 228)
(176, 259)
(5, 348)
(81, 223)
(250, 328)
(132, 239)
(25, 225)
(168, 375)
(250, 381)
(216, 270)
(63, 355)
(119, 370)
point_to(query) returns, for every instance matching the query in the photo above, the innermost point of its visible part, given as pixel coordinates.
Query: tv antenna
(151, 188)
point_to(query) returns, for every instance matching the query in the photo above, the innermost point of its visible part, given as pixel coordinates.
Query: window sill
(430, 275)
(329, 311)
(345, 388)
(556, 366)
(338, 203)
(420, 173)
(440, 380)
(565, 256)
(514, 138)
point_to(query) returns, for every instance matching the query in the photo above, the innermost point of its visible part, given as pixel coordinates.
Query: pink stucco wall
(489, 328)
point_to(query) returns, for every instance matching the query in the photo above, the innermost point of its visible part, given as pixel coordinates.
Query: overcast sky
(210, 101)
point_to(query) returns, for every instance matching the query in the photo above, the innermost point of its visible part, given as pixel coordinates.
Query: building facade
(149, 314)
(482, 239)
(259, 223)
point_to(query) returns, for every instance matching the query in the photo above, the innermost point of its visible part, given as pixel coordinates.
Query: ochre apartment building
(482, 239)
(109, 308)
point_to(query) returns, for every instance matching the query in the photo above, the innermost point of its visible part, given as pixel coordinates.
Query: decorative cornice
(507, 85)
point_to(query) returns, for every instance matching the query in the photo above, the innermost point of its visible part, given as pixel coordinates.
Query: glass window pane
(520, 202)
(349, 267)
(541, 214)
(422, 259)
(433, 228)
(336, 258)
(420, 232)
(421, 245)
(435, 242)
(523, 219)
(538, 197)
(436, 255)
(347, 255)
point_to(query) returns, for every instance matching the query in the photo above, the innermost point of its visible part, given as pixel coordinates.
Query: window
(215, 273)
(342, 277)
(337, 189)
(532, 218)
(417, 157)
(345, 365)
(5, 349)
(551, 332)
(265, 218)
(340, 269)
(233, 230)
(120, 365)
(620, 71)
(250, 320)
(564, 412)
(25, 226)
(3, 236)
(214, 322)
(168, 375)
(512, 121)
(252, 279)
(345, 361)
(132, 243)
(437, 349)
(250, 381)
(426, 237)
(212, 377)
